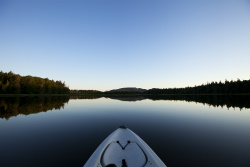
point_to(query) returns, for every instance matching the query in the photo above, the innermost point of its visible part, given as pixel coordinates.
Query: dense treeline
(11, 83)
(228, 87)
(97, 92)
(89, 97)
(232, 87)
(85, 92)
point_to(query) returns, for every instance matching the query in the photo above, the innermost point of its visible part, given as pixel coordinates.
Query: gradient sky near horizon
(109, 44)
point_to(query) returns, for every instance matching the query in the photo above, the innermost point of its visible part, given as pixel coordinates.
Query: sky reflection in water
(181, 133)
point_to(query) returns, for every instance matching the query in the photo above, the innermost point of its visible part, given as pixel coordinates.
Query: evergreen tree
(13, 83)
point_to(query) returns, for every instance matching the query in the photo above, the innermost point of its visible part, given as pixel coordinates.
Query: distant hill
(129, 89)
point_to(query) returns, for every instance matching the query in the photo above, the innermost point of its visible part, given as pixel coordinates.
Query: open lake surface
(51, 133)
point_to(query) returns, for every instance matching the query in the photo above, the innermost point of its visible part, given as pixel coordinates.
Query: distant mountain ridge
(129, 89)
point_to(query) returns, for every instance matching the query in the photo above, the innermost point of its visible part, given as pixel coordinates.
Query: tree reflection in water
(235, 101)
(13, 106)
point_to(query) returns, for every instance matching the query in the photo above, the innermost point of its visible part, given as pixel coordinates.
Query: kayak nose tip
(122, 127)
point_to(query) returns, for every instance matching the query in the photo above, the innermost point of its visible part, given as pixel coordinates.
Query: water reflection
(182, 133)
(235, 101)
(13, 106)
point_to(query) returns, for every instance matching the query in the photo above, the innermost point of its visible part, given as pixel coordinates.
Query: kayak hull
(123, 148)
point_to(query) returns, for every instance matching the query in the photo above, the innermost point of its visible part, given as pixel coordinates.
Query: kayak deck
(123, 148)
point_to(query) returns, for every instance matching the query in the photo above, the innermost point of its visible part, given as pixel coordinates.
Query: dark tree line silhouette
(232, 87)
(85, 92)
(11, 83)
(105, 93)
(228, 87)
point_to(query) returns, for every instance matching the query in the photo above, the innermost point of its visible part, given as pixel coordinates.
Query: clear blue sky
(106, 44)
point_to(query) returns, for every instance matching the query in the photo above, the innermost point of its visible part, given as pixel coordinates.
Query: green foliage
(11, 83)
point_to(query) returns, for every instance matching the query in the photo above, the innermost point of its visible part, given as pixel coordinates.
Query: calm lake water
(182, 133)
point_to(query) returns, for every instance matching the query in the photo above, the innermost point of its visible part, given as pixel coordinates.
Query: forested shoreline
(13, 106)
(11, 83)
(228, 87)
